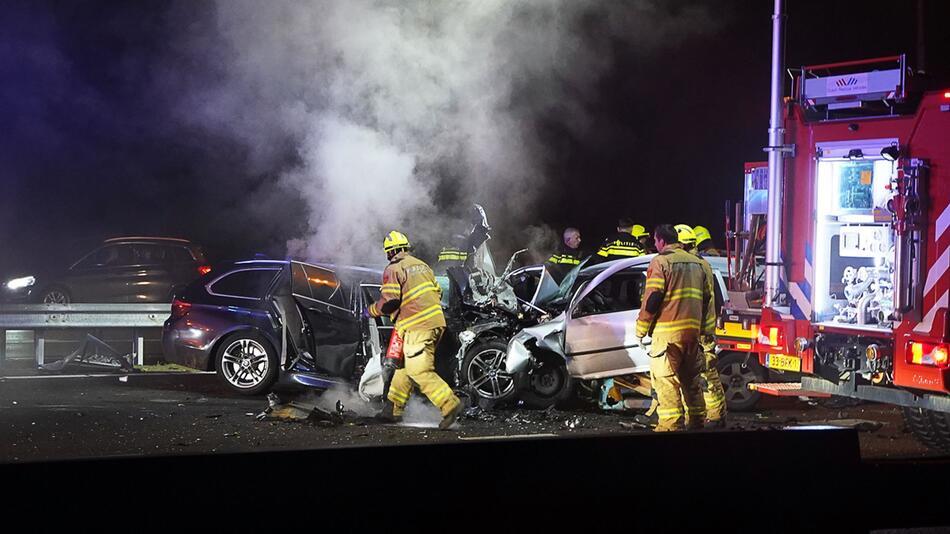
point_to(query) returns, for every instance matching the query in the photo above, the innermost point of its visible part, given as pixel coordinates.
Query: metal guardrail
(41, 317)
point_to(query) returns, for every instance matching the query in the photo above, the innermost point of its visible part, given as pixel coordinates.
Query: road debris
(93, 353)
(299, 411)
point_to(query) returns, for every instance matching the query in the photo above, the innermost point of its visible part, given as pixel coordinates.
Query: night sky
(90, 150)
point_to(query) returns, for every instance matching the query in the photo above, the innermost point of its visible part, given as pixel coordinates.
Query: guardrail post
(139, 341)
(39, 344)
(3, 348)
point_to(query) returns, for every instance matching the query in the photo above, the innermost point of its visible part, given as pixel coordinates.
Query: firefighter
(567, 256)
(621, 244)
(677, 309)
(713, 393)
(704, 242)
(640, 234)
(412, 297)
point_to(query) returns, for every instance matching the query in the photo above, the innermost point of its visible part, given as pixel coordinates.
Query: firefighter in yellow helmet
(411, 296)
(713, 393)
(704, 242)
(640, 234)
(676, 311)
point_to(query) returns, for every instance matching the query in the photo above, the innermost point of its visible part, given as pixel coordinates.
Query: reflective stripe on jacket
(620, 245)
(452, 254)
(566, 256)
(678, 302)
(410, 294)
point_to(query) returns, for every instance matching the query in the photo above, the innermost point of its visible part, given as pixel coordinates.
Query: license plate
(784, 362)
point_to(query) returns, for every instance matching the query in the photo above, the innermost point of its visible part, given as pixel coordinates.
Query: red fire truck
(859, 304)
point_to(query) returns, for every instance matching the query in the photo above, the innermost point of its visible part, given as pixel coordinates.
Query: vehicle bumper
(518, 358)
(186, 347)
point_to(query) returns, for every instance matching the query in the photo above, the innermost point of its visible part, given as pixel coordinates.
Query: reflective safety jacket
(452, 254)
(566, 256)
(678, 300)
(410, 295)
(620, 245)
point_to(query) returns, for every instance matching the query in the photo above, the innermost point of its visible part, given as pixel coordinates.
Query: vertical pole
(3, 348)
(139, 348)
(773, 239)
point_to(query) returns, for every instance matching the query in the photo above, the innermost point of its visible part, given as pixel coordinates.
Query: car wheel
(56, 295)
(736, 372)
(247, 363)
(483, 370)
(549, 385)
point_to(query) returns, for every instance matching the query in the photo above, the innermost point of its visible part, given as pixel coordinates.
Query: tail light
(929, 354)
(771, 336)
(204, 269)
(180, 308)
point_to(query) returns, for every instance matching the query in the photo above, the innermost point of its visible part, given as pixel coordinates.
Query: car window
(179, 255)
(525, 283)
(248, 283)
(620, 292)
(319, 284)
(150, 254)
(372, 294)
(108, 256)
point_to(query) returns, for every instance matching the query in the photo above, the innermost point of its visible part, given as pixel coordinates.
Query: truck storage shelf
(785, 389)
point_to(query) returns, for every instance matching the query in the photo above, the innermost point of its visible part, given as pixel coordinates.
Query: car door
(150, 278)
(332, 316)
(600, 332)
(103, 275)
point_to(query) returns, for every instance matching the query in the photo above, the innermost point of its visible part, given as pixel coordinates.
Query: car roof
(140, 239)
(357, 274)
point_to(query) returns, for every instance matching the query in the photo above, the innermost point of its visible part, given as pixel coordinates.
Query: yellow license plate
(784, 362)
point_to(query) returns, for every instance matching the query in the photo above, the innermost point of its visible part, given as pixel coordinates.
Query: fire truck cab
(862, 305)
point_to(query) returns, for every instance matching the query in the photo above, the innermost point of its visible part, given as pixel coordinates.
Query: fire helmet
(638, 231)
(395, 240)
(685, 234)
(702, 234)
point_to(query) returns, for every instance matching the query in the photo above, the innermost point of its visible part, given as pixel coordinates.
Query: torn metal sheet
(93, 353)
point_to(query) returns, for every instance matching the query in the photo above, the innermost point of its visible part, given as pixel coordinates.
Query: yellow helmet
(685, 234)
(702, 234)
(395, 240)
(638, 231)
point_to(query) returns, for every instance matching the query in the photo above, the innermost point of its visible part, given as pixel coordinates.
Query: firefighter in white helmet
(411, 296)
(713, 393)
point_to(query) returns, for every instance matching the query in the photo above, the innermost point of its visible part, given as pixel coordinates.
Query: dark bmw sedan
(258, 321)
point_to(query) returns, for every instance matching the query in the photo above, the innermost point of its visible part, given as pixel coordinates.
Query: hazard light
(928, 354)
(770, 335)
(946, 94)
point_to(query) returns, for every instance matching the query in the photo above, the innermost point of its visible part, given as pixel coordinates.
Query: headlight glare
(20, 283)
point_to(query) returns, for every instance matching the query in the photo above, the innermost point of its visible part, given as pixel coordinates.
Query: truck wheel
(736, 373)
(247, 363)
(484, 370)
(929, 427)
(549, 385)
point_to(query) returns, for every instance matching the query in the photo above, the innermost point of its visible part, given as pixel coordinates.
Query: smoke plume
(388, 115)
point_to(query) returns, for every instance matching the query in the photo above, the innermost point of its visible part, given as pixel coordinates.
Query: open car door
(330, 309)
(600, 331)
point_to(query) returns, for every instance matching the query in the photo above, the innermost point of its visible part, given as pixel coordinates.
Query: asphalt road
(56, 418)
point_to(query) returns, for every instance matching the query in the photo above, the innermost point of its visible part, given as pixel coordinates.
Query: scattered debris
(633, 425)
(93, 353)
(214, 416)
(298, 411)
(123, 379)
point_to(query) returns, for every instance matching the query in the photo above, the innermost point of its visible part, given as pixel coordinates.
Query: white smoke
(389, 104)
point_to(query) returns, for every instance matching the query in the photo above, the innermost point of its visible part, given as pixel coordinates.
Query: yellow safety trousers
(419, 369)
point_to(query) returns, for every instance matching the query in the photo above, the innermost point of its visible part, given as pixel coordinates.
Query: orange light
(916, 353)
(940, 354)
(204, 269)
(744, 346)
(323, 282)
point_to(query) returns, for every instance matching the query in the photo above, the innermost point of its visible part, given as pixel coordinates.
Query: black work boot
(649, 421)
(386, 415)
(449, 418)
(717, 424)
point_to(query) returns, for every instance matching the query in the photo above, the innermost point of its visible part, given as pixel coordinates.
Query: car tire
(246, 363)
(931, 428)
(547, 386)
(736, 371)
(483, 371)
(56, 295)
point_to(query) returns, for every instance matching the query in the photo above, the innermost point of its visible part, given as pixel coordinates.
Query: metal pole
(773, 239)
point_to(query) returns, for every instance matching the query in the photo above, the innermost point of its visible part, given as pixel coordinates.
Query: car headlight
(20, 283)
(466, 337)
